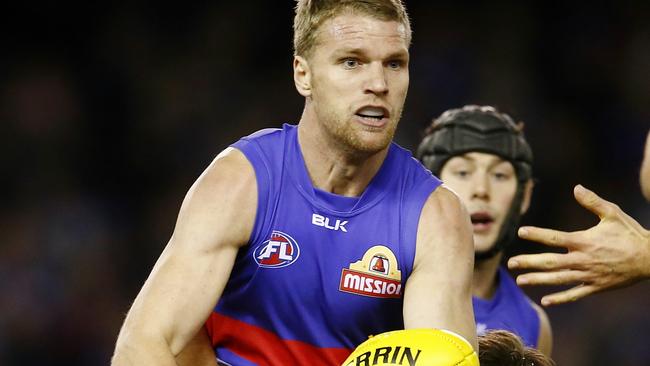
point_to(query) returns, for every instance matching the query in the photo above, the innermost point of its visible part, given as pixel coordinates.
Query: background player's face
(359, 80)
(487, 185)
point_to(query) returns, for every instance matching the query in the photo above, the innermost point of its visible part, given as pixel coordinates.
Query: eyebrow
(362, 51)
(349, 50)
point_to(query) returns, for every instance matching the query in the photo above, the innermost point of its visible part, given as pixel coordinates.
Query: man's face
(487, 185)
(359, 80)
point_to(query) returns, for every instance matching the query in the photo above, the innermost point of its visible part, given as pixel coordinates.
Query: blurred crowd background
(110, 111)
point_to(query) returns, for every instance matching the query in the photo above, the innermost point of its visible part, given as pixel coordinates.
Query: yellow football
(414, 347)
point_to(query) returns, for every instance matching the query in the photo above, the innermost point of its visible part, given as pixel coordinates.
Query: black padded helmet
(481, 129)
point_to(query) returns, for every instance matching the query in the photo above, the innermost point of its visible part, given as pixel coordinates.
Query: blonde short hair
(311, 14)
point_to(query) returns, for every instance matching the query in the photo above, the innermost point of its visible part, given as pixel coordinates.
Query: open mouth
(481, 221)
(373, 115)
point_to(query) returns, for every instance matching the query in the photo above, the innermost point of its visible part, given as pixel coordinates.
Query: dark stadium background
(110, 111)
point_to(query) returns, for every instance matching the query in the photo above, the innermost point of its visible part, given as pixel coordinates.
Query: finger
(568, 277)
(570, 295)
(543, 261)
(550, 237)
(592, 202)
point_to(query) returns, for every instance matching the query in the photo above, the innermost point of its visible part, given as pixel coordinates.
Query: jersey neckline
(378, 187)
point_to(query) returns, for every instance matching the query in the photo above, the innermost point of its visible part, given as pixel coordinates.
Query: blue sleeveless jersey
(321, 272)
(509, 309)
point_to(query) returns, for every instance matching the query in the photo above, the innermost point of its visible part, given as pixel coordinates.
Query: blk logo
(279, 251)
(323, 221)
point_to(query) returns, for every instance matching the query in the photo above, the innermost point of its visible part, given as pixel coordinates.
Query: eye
(350, 63)
(395, 64)
(461, 173)
(501, 176)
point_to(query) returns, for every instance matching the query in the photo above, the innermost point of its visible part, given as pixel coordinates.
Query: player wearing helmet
(483, 156)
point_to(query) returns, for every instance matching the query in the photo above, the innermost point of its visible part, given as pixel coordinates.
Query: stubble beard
(349, 135)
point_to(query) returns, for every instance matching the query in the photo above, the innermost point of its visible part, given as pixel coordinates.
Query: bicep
(438, 292)
(216, 218)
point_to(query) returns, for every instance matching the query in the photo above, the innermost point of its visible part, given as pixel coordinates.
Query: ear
(302, 76)
(528, 193)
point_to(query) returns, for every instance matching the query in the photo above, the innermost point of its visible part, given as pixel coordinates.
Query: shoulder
(225, 195)
(266, 133)
(265, 148)
(443, 207)
(230, 169)
(445, 228)
(445, 198)
(263, 138)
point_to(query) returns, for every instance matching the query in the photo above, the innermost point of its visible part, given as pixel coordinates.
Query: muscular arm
(438, 292)
(198, 352)
(216, 218)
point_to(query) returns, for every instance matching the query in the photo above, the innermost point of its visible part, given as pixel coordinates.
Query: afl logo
(279, 251)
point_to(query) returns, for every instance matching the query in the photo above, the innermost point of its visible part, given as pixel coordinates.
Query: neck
(485, 277)
(331, 166)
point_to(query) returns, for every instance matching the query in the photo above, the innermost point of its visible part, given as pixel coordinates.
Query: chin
(362, 140)
(368, 143)
(374, 145)
(482, 247)
(374, 141)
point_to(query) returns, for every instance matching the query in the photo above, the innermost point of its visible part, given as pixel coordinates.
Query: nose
(376, 83)
(481, 186)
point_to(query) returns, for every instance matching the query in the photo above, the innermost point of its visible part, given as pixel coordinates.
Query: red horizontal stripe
(265, 348)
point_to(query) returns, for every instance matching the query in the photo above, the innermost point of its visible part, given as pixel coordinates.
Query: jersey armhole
(255, 157)
(412, 206)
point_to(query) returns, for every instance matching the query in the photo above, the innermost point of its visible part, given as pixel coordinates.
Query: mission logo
(279, 251)
(375, 275)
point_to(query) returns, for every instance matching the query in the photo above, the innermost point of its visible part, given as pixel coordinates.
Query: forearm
(466, 324)
(440, 304)
(138, 349)
(460, 318)
(455, 320)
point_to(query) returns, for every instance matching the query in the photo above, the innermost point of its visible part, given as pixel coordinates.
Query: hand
(614, 253)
